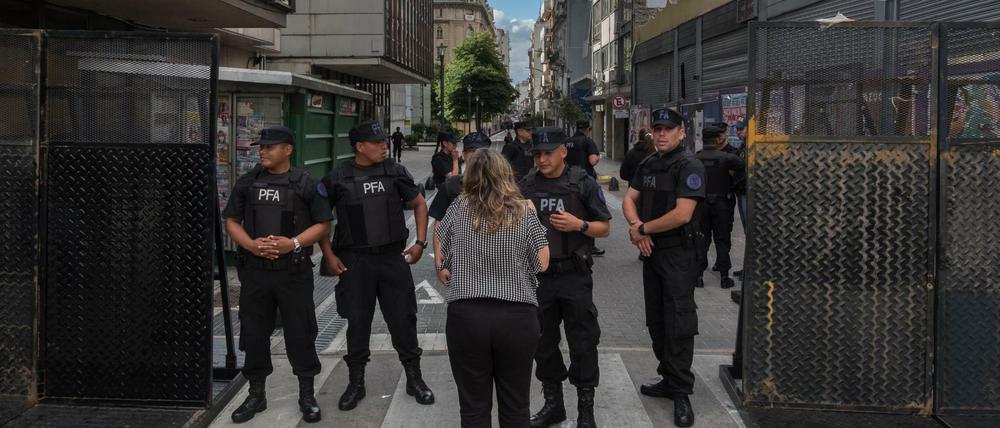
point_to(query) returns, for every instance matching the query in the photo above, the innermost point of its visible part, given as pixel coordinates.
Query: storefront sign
(348, 108)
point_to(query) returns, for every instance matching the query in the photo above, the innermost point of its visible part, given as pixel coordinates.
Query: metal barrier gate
(846, 268)
(126, 198)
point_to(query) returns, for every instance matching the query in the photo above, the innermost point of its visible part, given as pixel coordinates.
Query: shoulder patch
(321, 189)
(694, 181)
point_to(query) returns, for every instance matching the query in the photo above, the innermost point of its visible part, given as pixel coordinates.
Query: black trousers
(397, 151)
(261, 293)
(568, 298)
(492, 341)
(387, 279)
(668, 278)
(717, 224)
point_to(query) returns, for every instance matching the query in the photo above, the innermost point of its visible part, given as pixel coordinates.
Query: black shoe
(355, 388)
(553, 411)
(700, 283)
(585, 408)
(256, 402)
(415, 385)
(597, 251)
(307, 401)
(727, 283)
(656, 389)
(683, 413)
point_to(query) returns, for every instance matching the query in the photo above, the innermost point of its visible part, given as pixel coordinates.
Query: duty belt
(282, 263)
(395, 247)
(668, 241)
(561, 266)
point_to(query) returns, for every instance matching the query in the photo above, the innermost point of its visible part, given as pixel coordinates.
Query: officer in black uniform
(660, 207)
(452, 186)
(583, 151)
(518, 153)
(724, 172)
(444, 163)
(572, 208)
(369, 194)
(275, 216)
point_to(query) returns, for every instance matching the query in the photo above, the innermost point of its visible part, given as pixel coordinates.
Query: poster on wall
(734, 108)
(638, 120)
(253, 114)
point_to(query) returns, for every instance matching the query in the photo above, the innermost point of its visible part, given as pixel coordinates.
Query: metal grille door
(841, 201)
(129, 213)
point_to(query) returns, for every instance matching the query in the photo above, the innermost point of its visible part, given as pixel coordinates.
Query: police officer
(275, 216)
(452, 186)
(518, 153)
(583, 151)
(660, 206)
(369, 194)
(724, 172)
(444, 163)
(571, 206)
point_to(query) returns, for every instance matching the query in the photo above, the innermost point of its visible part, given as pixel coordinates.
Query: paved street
(625, 359)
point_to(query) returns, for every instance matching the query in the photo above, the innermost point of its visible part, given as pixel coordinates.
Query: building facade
(455, 21)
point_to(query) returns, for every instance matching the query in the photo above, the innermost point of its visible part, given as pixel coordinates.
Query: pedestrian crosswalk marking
(433, 297)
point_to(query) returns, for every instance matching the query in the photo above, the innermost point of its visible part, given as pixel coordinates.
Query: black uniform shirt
(318, 208)
(520, 161)
(440, 166)
(579, 154)
(332, 189)
(690, 178)
(440, 204)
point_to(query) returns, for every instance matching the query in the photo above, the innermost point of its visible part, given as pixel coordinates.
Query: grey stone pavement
(626, 360)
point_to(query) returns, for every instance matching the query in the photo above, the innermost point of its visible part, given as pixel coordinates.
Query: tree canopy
(477, 64)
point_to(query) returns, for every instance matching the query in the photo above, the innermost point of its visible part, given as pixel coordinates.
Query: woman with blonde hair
(492, 245)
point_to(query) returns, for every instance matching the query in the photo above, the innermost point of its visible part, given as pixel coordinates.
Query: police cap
(742, 124)
(476, 140)
(370, 131)
(275, 135)
(522, 125)
(666, 117)
(446, 136)
(721, 125)
(712, 131)
(545, 139)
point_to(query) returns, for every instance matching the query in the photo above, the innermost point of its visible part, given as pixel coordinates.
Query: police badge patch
(694, 181)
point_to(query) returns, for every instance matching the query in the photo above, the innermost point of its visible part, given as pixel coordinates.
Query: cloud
(520, 42)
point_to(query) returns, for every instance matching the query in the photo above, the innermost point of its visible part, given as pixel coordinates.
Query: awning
(284, 78)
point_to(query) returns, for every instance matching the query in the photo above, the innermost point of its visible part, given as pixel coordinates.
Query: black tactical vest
(560, 194)
(453, 188)
(719, 181)
(658, 187)
(524, 159)
(369, 207)
(577, 156)
(276, 205)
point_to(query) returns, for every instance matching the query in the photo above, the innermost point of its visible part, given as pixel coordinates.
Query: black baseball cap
(275, 135)
(522, 125)
(368, 131)
(741, 124)
(476, 140)
(583, 124)
(721, 125)
(666, 117)
(446, 136)
(545, 139)
(712, 131)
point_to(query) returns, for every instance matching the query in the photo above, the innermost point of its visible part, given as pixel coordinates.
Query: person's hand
(283, 244)
(334, 264)
(565, 222)
(633, 232)
(412, 255)
(454, 155)
(444, 275)
(264, 247)
(645, 246)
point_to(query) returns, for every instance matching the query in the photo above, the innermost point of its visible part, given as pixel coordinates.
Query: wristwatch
(642, 229)
(422, 244)
(298, 245)
(584, 227)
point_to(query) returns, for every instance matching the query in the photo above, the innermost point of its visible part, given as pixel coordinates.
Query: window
(606, 8)
(469, 31)
(613, 55)
(440, 33)
(604, 58)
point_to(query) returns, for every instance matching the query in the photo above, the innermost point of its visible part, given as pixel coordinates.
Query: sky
(517, 17)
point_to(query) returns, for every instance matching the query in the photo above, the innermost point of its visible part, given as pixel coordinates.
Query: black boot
(597, 251)
(415, 385)
(355, 388)
(256, 402)
(307, 401)
(656, 389)
(683, 413)
(554, 411)
(585, 408)
(727, 282)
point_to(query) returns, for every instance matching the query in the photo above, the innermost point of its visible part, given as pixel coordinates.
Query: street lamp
(479, 123)
(441, 51)
(468, 112)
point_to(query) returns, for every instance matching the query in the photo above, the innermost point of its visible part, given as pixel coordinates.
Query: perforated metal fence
(874, 274)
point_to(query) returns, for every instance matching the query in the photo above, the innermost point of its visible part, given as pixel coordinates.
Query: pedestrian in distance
(518, 152)
(397, 145)
(660, 206)
(724, 172)
(492, 246)
(275, 215)
(369, 194)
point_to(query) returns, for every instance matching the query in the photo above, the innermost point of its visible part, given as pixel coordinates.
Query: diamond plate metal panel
(18, 215)
(969, 268)
(839, 289)
(129, 299)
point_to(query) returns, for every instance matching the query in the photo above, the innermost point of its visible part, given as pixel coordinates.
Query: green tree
(477, 64)
(570, 110)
